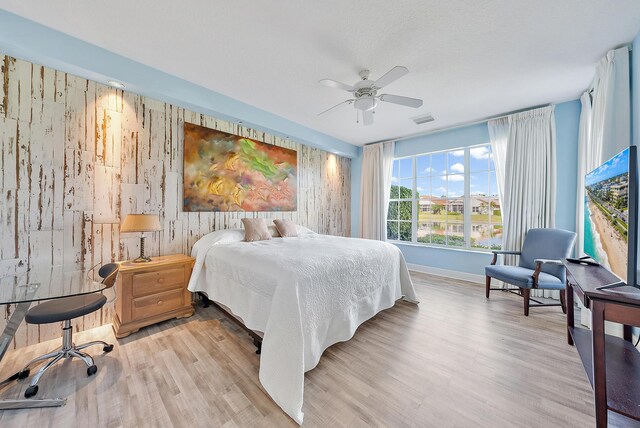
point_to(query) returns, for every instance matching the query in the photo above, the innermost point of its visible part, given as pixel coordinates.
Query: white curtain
(499, 137)
(587, 161)
(377, 167)
(611, 107)
(530, 175)
(523, 146)
(604, 127)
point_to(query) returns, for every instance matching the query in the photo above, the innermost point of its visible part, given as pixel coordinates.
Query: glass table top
(48, 283)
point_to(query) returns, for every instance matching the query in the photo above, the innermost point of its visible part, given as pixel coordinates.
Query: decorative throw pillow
(287, 228)
(255, 229)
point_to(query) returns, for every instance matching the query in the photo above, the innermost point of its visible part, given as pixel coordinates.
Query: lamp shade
(140, 223)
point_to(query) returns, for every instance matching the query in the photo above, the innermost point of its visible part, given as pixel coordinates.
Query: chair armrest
(539, 263)
(548, 261)
(496, 252)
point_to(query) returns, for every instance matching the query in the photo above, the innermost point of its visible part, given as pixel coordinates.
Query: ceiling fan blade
(392, 75)
(335, 106)
(403, 101)
(338, 85)
(367, 117)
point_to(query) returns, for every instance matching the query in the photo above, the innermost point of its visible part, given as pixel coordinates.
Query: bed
(303, 293)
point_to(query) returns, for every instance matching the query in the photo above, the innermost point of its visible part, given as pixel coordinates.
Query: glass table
(35, 285)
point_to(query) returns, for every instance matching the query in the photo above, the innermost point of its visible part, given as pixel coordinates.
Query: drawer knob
(160, 302)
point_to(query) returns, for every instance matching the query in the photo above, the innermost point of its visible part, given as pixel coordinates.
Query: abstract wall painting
(226, 172)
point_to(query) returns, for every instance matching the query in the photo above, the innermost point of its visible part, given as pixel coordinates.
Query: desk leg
(570, 314)
(5, 340)
(599, 365)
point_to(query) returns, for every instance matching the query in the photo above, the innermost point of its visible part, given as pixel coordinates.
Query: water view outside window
(446, 198)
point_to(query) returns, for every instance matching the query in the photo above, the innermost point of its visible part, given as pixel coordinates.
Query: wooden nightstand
(151, 292)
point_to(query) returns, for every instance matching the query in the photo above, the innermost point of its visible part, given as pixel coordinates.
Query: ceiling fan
(365, 93)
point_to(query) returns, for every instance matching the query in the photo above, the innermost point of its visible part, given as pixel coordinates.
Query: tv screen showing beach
(606, 213)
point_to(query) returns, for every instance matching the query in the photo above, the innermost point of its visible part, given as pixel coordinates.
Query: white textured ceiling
(467, 59)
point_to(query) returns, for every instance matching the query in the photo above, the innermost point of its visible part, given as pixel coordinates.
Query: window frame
(467, 209)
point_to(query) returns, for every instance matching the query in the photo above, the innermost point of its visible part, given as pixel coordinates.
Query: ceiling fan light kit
(365, 93)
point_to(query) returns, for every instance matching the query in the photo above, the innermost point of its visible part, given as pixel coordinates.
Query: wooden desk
(612, 363)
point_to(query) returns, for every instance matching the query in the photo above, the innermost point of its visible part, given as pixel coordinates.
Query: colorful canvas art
(226, 172)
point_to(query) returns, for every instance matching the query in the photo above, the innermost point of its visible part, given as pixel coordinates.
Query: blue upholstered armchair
(540, 265)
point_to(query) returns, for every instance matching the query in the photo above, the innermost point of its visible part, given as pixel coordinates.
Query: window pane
(438, 235)
(425, 230)
(406, 208)
(422, 186)
(406, 168)
(395, 175)
(455, 185)
(479, 158)
(495, 211)
(480, 235)
(392, 230)
(455, 234)
(479, 184)
(424, 209)
(423, 165)
(405, 231)
(455, 209)
(496, 237)
(455, 163)
(393, 211)
(439, 163)
(395, 191)
(438, 209)
(493, 185)
(406, 189)
(439, 186)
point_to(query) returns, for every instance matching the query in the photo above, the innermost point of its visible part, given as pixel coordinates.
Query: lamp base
(142, 258)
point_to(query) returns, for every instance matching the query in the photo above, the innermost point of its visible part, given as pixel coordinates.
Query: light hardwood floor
(456, 360)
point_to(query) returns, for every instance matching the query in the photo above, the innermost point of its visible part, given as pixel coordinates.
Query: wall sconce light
(116, 84)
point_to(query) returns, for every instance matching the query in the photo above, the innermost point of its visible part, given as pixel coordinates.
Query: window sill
(441, 247)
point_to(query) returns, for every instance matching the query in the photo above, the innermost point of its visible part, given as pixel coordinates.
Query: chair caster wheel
(31, 391)
(24, 374)
(108, 348)
(92, 370)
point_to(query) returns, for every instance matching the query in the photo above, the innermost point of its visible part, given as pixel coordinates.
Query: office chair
(65, 309)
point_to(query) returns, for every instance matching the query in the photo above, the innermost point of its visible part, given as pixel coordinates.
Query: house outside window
(447, 198)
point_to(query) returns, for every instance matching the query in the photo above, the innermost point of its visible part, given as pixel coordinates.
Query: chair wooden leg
(563, 301)
(526, 294)
(488, 286)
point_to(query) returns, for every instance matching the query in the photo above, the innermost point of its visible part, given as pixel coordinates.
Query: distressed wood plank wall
(77, 156)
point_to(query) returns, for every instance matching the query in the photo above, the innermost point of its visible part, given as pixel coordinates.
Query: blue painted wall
(28, 40)
(567, 125)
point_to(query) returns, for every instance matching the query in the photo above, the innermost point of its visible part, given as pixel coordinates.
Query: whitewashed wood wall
(77, 156)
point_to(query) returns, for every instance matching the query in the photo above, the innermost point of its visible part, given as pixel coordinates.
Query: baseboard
(464, 276)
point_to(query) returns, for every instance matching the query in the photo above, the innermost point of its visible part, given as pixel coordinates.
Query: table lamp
(141, 223)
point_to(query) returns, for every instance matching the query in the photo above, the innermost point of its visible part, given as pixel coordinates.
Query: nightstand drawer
(154, 282)
(155, 304)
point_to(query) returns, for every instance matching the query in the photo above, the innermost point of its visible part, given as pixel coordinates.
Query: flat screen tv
(610, 215)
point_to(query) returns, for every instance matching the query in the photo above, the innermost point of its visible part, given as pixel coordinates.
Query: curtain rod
(460, 125)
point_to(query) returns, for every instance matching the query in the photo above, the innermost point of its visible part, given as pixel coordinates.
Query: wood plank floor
(457, 360)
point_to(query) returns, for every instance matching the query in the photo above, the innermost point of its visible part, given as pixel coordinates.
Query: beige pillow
(287, 228)
(255, 229)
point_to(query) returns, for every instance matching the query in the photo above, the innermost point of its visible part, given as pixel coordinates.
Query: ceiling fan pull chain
(357, 117)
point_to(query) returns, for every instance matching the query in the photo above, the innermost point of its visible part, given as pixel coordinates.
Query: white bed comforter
(304, 293)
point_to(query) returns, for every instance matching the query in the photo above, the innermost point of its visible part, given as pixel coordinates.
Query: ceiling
(468, 60)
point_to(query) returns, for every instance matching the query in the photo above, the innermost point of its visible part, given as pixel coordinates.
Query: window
(446, 198)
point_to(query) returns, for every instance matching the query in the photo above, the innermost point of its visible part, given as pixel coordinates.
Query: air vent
(419, 120)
